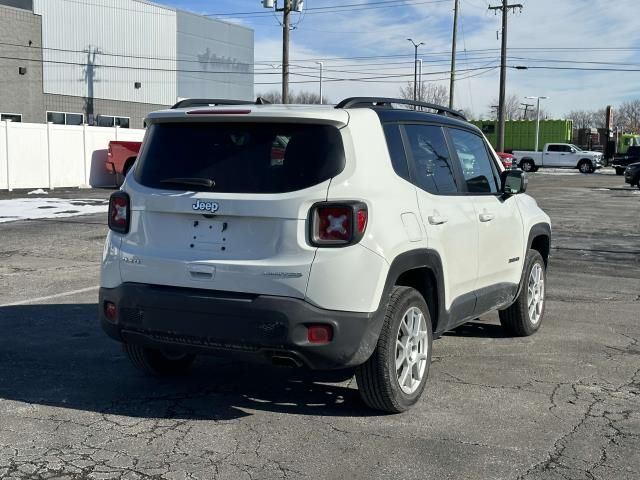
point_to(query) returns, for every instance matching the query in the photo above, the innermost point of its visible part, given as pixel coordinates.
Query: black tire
(585, 166)
(377, 379)
(527, 166)
(156, 362)
(516, 319)
(619, 171)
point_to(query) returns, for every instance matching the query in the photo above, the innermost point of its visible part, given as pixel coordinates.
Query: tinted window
(396, 150)
(56, 117)
(12, 117)
(553, 148)
(240, 158)
(104, 121)
(74, 118)
(430, 155)
(122, 122)
(478, 169)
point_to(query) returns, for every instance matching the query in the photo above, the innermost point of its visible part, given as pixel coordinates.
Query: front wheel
(524, 317)
(586, 166)
(158, 362)
(395, 375)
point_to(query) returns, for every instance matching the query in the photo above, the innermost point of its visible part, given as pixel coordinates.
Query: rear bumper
(248, 327)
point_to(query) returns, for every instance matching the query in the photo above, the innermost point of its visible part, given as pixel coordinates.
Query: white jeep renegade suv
(325, 237)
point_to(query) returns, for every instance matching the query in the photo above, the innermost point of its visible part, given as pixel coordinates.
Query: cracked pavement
(562, 404)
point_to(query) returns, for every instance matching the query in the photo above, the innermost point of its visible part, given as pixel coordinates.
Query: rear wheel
(395, 375)
(527, 165)
(158, 362)
(524, 317)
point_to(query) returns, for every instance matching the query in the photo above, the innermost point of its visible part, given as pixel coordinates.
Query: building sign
(211, 61)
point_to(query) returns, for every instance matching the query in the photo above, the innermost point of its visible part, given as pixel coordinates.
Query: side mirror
(514, 182)
(573, 150)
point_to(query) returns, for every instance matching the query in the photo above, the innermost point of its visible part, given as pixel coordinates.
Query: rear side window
(396, 150)
(478, 168)
(431, 162)
(239, 158)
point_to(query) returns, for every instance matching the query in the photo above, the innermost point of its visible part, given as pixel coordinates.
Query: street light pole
(321, 65)
(415, 68)
(537, 119)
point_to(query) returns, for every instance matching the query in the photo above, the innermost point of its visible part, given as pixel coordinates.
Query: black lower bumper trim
(252, 327)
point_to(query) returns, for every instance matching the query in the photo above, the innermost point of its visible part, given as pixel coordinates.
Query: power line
(334, 8)
(266, 63)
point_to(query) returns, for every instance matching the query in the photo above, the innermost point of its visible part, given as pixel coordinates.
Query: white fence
(34, 155)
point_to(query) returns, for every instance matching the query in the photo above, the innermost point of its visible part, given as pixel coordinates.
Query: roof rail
(388, 102)
(207, 102)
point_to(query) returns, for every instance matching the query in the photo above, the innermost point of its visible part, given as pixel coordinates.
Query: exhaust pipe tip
(286, 361)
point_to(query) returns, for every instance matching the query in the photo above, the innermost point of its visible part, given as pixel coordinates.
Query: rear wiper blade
(200, 182)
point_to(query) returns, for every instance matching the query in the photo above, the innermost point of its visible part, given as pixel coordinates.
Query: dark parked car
(621, 161)
(632, 174)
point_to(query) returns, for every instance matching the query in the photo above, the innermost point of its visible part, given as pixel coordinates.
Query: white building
(106, 62)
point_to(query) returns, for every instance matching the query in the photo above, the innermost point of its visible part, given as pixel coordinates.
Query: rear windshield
(239, 158)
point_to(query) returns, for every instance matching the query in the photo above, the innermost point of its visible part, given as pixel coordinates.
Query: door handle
(486, 217)
(437, 220)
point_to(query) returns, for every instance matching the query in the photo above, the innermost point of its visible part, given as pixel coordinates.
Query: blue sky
(548, 33)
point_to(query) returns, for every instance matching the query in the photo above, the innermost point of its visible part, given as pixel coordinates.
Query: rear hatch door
(223, 205)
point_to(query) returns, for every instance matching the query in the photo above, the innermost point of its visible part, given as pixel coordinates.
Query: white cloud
(542, 28)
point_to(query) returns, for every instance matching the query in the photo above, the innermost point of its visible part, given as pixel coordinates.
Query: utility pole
(415, 68)
(453, 53)
(526, 108)
(503, 68)
(286, 11)
(285, 51)
(420, 89)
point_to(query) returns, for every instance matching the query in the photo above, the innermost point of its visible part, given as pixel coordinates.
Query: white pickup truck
(558, 155)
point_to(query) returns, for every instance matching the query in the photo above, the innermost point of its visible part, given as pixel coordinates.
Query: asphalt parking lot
(563, 404)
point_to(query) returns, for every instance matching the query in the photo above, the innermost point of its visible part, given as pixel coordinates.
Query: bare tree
(427, 92)
(581, 118)
(511, 108)
(629, 116)
(300, 97)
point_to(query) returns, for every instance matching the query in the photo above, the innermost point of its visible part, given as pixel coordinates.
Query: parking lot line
(49, 297)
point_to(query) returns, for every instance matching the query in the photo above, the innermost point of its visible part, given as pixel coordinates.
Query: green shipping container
(521, 134)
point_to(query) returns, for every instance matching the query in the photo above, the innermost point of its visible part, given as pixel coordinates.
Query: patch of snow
(35, 208)
(38, 192)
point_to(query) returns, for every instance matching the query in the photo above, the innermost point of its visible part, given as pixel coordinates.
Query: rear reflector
(219, 112)
(119, 212)
(319, 333)
(110, 311)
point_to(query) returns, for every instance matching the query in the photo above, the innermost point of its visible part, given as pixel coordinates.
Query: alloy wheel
(411, 350)
(535, 293)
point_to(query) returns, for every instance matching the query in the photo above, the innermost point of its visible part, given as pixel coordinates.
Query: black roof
(403, 115)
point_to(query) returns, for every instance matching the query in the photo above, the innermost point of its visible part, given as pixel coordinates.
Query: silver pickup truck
(558, 155)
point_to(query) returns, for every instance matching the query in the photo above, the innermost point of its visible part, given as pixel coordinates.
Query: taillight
(337, 224)
(119, 212)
